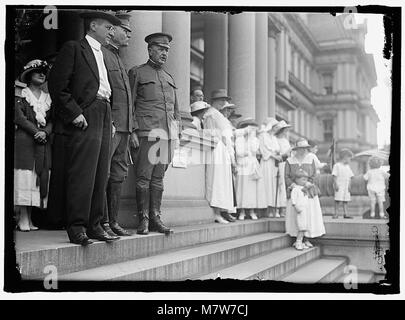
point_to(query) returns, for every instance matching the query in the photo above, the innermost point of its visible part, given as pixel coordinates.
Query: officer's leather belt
(102, 98)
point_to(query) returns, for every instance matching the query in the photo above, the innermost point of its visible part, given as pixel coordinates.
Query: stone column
(262, 68)
(302, 122)
(280, 56)
(215, 52)
(302, 71)
(296, 66)
(272, 74)
(288, 57)
(241, 75)
(348, 129)
(308, 77)
(142, 24)
(178, 24)
(340, 125)
(366, 129)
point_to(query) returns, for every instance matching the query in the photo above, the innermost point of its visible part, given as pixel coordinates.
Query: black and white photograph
(161, 148)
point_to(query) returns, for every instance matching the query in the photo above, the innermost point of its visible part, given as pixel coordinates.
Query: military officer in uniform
(157, 127)
(123, 124)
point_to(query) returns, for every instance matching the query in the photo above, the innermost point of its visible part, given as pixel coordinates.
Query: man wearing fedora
(158, 122)
(79, 84)
(123, 124)
(219, 97)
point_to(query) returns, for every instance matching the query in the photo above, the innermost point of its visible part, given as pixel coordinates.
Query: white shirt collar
(93, 42)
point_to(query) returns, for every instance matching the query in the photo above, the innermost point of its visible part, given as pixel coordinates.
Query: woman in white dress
(303, 161)
(248, 169)
(219, 187)
(32, 154)
(281, 132)
(270, 152)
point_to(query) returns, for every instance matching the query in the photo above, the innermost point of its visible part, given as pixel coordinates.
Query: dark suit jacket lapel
(89, 57)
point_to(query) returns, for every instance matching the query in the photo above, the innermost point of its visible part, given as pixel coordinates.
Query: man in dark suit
(158, 123)
(123, 123)
(80, 91)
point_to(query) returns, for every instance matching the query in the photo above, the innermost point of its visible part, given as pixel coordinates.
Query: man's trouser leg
(118, 174)
(156, 187)
(87, 170)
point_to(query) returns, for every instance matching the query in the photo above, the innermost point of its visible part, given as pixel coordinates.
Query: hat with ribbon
(99, 14)
(159, 38)
(269, 123)
(281, 125)
(220, 94)
(227, 105)
(34, 65)
(247, 122)
(302, 144)
(199, 105)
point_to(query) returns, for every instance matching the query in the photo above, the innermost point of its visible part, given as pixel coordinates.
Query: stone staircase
(241, 250)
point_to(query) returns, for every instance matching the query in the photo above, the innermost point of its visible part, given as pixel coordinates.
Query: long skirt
(316, 228)
(26, 191)
(282, 194)
(219, 188)
(246, 192)
(261, 190)
(269, 180)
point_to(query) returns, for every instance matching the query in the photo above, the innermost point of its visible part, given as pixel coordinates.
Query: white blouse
(40, 105)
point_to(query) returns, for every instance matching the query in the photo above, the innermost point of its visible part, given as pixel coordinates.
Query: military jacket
(155, 101)
(121, 99)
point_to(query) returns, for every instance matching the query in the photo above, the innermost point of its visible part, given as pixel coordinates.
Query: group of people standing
(254, 167)
(74, 140)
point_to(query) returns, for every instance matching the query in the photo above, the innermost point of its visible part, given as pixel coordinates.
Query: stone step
(321, 270)
(360, 276)
(267, 267)
(36, 250)
(186, 263)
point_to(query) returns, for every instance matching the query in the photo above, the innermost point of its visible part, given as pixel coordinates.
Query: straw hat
(247, 122)
(199, 105)
(281, 125)
(302, 144)
(269, 123)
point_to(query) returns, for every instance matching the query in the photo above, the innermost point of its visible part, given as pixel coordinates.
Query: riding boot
(142, 202)
(113, 202)
(154, 214)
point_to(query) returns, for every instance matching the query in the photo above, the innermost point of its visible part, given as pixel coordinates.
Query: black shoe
(119, 231)
(347, 217)
(102, 236)
(227, 216)
(81, 239)
(109, 231)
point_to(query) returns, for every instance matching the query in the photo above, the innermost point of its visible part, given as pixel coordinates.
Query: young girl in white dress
(342, 176)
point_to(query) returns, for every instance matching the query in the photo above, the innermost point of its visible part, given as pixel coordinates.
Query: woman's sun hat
(269, 123)
(281, 125)
(34, 65)
(247, 122)
(302, 144)
(198, 105)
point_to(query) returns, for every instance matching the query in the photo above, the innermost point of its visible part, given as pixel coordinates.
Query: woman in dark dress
(32, 158)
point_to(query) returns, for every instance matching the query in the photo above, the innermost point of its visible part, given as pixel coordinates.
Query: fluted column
(261, 60)
(215, 52)
(272, 73)
(142, 23)
(178, 24)
(280, 56)
(241, 76)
